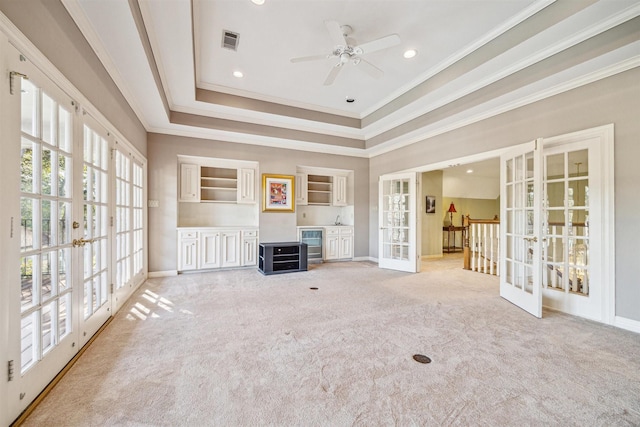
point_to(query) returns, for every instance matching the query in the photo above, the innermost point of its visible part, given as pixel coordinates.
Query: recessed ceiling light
(469, 170)
(410, 53)
(258, 2)
(350, 100)
(238, 74)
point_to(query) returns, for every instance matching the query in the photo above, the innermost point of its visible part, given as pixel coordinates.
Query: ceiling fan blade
(379, 44)
(335, 31)
(310, 58)
(332, 75)
(369, 68)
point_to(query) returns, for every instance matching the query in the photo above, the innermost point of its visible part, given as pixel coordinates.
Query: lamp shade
(452, 208)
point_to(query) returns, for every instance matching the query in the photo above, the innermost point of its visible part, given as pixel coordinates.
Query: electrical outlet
(154, 203)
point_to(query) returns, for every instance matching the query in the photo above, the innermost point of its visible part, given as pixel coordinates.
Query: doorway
(575, 223)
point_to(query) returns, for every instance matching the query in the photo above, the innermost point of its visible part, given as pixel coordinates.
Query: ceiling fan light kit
(345, 51)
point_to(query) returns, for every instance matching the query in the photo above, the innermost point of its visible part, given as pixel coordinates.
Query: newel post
(465, 242)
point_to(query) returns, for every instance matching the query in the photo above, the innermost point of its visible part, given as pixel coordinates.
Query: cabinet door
(189, 183)
(339, 191)
(346, 247)
(249, 251)
(332, 248)
(210, 249)
(230, 248)
(301, 189)
(188, 255)
(247, 186)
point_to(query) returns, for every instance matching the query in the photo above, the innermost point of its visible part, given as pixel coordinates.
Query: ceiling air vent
(230, 40)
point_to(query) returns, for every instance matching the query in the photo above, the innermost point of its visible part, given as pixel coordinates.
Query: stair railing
(482, 245)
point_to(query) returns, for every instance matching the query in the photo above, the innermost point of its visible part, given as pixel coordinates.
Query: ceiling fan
(346, 51)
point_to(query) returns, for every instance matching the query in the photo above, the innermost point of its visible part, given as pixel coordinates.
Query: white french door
(43, 321)
(128, 248)
(94, 243)
(520, 206)
(574, 213)
(397, 249)
(558, 233)
(60, 293)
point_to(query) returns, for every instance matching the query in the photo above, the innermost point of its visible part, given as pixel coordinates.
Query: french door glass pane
(29, 108)
(65, 135)
(46, 271)
(29, 339)
(26, 166)
(47, 338)
(29, 280)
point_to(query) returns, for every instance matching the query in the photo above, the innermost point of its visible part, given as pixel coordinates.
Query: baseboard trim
(628, 324)
(366, 258)
(432, 256)
(25, 414)
(166, 273)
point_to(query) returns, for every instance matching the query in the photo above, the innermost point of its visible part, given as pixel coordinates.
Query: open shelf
(218, 185)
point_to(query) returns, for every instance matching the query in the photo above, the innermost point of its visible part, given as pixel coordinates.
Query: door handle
(531, 239)
(82, 242)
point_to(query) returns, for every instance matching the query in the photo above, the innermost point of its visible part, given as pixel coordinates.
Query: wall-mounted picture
(278, 193)
(431, 204)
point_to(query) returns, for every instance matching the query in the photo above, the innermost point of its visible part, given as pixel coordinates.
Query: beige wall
(612, 100)
(163, 186)
(431, 224)
(475, 208)
(48, 26)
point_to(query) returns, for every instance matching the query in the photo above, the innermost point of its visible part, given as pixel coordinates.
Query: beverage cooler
(313, 238)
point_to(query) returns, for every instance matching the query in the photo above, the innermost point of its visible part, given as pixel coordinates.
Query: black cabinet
(282, 257)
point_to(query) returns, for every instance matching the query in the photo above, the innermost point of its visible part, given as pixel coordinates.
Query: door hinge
(10, 370)
(111, 221)
(11, 234)
(112, 151)
(112, 288)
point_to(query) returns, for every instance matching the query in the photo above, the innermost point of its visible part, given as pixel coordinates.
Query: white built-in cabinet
(250, 247)
(211, 247)
(247, 186)
(209, 250)
(189, 183)
(188, 250)
(338, 243)
(339, 190)
(216, 184)
(301, 189)
(321, 190)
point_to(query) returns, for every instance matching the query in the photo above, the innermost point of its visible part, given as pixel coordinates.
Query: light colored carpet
(237, 348)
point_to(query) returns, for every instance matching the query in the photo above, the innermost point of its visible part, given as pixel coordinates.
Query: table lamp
(451, 211)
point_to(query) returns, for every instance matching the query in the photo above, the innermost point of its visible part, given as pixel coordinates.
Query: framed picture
(431, 204)
(278, 193)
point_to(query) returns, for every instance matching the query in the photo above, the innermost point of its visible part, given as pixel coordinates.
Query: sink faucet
(338, 222)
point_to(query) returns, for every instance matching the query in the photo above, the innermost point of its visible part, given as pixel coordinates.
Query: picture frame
(278, 193)
(431, 204)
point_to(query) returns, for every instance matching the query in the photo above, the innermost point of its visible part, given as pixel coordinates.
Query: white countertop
(324, 226)
(232, 227)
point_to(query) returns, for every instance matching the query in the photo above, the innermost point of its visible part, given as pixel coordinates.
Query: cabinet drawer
(250, 233)
(347, 231)
(332, 231)
(188, 234)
